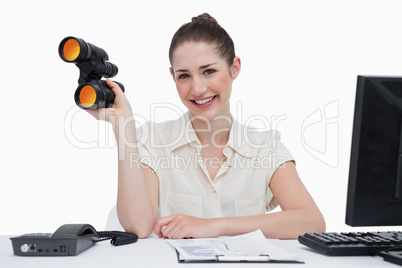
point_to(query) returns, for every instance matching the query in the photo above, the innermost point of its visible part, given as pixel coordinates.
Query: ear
(172, 73)
(236, 67)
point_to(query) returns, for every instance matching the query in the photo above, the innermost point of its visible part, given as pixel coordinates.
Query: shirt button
(213, 190)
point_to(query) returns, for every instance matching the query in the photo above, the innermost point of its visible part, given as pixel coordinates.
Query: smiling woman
(203, 79)
(221, 191)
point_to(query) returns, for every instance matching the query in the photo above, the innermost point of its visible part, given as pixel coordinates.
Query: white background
(59, 165)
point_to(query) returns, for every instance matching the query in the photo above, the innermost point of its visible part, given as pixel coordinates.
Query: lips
(205, 102)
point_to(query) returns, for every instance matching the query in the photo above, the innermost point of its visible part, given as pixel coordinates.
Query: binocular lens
(95, 95)
(74, 50)
(71, 49)
(87, 96)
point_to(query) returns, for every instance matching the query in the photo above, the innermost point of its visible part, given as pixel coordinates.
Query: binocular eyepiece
(92, 92)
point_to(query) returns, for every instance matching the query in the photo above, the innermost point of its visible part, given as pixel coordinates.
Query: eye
(209, 71)
(183, 76)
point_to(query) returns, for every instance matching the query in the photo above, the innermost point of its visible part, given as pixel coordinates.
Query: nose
(198, 87)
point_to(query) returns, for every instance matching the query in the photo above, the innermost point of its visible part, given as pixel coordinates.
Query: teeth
(204, 101)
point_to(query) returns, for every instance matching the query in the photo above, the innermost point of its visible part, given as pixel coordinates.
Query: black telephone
(67, 240)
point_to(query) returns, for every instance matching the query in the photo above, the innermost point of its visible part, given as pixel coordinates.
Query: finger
(177, 232)
(114, 87)
(158, 230)
(160, 223)
(173, 229)
(170, 229)
(180, 230)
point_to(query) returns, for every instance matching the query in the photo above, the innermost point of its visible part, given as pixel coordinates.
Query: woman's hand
(182, 226)
(121, 106)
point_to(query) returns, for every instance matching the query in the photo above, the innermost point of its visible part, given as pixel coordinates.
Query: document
(250, 247)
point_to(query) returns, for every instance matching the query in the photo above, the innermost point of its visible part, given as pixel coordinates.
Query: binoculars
(92, 92)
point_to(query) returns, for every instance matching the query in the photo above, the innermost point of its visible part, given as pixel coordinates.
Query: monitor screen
(375, 176)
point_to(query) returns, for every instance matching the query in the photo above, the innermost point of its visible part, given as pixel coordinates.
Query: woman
(204, 174)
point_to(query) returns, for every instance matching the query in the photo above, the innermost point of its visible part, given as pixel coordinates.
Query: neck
(213, 132)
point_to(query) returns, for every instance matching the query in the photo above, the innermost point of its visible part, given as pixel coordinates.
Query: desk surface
(155, 252)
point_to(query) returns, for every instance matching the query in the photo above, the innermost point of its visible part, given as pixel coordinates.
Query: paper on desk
(250, 244)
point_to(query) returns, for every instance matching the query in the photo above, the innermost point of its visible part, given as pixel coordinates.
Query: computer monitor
(375, 176)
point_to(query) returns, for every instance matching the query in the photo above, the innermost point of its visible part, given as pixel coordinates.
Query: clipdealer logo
(320, 134)
(319, 131)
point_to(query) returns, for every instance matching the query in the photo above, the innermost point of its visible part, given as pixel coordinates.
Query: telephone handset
(67, 240)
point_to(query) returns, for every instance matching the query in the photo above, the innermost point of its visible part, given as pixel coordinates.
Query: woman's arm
(137, 192)
(137, 197)
(299, 214)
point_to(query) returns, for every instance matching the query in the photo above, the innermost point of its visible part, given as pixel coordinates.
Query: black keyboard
(353, 243)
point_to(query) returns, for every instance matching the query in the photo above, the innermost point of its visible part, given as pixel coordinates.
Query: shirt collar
(185, 133)
(237, 139)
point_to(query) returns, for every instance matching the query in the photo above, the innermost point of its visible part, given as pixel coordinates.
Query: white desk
(157, 253)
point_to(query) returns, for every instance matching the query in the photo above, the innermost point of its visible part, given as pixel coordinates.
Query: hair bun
(205, 16)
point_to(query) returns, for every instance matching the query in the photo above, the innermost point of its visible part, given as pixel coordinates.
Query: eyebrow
(201, 68)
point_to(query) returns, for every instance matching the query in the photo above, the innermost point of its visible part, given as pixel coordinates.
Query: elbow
(320, 226)
(316, 223)
(140, 232)
(142, 229)
(323, 225)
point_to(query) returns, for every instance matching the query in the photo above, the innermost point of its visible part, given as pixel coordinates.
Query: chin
(207, 115)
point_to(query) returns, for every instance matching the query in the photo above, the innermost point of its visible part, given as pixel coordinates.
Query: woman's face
(203, 79)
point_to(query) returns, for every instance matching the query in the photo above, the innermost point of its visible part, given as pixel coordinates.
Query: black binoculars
(92, 92)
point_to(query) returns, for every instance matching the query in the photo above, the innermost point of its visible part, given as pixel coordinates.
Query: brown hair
(204, 28)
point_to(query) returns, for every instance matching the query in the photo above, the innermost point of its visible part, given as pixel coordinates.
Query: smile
(201, 102)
